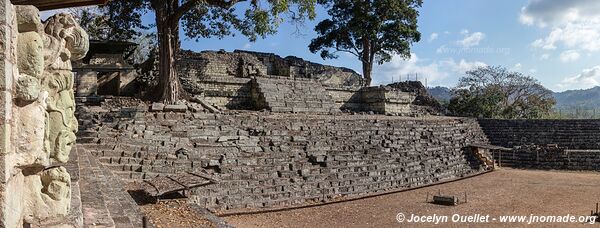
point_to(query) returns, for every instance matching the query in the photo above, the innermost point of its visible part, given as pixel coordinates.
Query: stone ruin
(244, 80)
(38, 121)
(292, 156)
(255, 80)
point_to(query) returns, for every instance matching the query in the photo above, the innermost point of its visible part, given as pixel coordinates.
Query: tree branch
(187, 6)
(341, 50)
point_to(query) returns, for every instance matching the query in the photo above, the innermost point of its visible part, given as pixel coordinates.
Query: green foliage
(371, 30)
(122, 19)
(495, 92)
(117, 20)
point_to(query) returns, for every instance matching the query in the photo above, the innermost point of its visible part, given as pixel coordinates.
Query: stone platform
(268, 160)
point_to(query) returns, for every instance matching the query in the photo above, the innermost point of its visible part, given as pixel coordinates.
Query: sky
(554, 41)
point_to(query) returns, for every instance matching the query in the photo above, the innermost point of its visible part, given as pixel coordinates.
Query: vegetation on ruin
(203, 19)
(495, 92)
(373, 31)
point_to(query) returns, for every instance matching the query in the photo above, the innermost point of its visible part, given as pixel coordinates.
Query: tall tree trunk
(367, 69)
(169, 87)
(367, 61)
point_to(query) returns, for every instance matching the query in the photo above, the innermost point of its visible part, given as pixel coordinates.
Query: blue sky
(554, 41)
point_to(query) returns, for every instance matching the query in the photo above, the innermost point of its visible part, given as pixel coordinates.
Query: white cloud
(588, 78)
(545, 56)
(436, 72)
(574, 24)
(247, 46)
(471, 39)
(462, 66)
(433, 37)
(517, 67)
(569, 56)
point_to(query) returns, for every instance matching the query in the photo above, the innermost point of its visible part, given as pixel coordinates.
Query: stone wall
(571, 134)
(550, 158)
(298, 95)
(268, 160)
(385, 100)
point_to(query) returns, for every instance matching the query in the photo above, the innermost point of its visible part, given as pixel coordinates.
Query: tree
(213, 18)
(203, 19)
(371, 30)
(495, 92)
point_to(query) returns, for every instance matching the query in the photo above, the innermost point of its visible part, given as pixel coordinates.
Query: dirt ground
(174, 214)
(503, 192)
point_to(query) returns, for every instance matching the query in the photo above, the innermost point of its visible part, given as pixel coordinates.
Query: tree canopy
(495, 92)
(117, 20)
(371, 30)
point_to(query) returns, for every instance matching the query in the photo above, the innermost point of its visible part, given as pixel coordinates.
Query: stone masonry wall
(549, 158)
(571, 134)
(268, 160)
(298, 96)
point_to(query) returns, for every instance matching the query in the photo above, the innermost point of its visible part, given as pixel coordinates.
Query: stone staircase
(281, 159)
(299, 95)
(487, 162)
(104, 201)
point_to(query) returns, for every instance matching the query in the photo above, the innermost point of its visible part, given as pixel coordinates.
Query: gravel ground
(174, 214)
(502, 192)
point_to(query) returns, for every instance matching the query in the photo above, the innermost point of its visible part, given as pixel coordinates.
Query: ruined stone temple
(257, 132)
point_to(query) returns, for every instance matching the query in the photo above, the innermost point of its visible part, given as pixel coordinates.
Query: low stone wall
(572, 134)
(269, 160)
(551, 158)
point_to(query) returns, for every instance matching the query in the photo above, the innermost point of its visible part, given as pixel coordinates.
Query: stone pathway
(105, 203)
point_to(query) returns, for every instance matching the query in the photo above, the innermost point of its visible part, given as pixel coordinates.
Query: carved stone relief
(44, 108)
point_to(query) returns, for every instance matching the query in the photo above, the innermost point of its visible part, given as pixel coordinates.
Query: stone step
(105, 202)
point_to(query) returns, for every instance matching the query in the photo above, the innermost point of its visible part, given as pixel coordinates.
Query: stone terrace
(292, 95)
(267, 160)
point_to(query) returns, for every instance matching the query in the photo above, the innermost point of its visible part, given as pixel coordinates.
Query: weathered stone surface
(28, 19)
(38, 129)
(27, 88)
(572, 134)
(272, 159)
(66, 41)
(157, 107)
(31, 54)
(285, 95)
(175, 108)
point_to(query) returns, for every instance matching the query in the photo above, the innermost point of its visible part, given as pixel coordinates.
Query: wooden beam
(58, 4)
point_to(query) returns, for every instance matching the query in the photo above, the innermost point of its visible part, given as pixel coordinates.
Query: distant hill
(440, 93)
(583, 98)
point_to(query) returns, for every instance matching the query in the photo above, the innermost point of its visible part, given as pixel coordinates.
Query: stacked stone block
(571, 134)
(278, 160)
(280, 94)
(548, 158)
